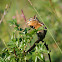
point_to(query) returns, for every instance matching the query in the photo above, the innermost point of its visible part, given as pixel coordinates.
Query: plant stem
(47, 49)
(15, 52)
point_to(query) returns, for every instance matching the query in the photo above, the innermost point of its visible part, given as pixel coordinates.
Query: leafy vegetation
(50, 12)
(18, 45)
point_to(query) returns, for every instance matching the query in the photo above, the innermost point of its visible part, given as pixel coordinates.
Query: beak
(28, 23)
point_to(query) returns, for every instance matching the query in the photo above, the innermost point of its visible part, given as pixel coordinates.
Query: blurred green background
(49, 10)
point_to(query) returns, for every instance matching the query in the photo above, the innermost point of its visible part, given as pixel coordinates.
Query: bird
(34, 23)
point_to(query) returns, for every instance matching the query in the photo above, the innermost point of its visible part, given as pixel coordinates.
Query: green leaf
(25, 31)
(16, 28)
(40, 57)
(21, 29)
(33, 31)
(40, 28)
(36, 59)
(20, 39)
(28, 34)
(17, 24)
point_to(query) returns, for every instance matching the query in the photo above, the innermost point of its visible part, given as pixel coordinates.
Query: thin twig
(3, 16)
(5, 12)
(23, 15)
(15, 52)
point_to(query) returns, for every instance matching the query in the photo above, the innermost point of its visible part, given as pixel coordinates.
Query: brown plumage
(34, 23)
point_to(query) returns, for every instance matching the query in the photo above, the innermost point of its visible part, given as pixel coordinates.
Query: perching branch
(32, 47)
(47, 49)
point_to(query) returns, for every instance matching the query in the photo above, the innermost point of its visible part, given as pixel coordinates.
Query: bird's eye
(29, 19)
